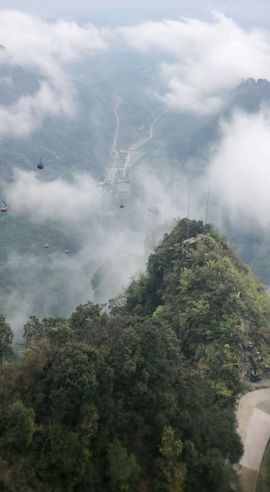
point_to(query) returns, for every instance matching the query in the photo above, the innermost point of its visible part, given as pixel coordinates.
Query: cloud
(199, 62)
(164, 190)
(239, 169)
(52, 284)
(42, 49)
(202, 60)
(70, 203)
(47, 282)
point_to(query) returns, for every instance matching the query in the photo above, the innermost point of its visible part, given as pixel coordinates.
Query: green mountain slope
(140, 397)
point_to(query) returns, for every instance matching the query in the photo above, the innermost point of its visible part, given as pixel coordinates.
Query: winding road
(253, 418)
(117, 119)
(144, 141)
(120, 160)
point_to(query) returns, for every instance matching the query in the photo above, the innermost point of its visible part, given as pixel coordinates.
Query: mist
(202, 60)
(106, 245)
(68, 203)
(45, 48)
(115, 12)
(239, 168)
(77, 243)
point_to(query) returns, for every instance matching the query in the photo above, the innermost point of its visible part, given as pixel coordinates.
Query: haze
(133, 11)
(163, 98)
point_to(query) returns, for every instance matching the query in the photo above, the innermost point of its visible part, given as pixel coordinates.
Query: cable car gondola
(4, 207)
(40, 164)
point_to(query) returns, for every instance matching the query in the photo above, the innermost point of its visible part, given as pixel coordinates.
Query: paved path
(147, 139)
(118, 101)
(119, 160)
(253, 417)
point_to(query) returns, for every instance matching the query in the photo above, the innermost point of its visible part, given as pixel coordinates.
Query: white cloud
(46, 48)
(239, 170)
(53, 283)
(165, 190)
(202, 60)
(69, 203)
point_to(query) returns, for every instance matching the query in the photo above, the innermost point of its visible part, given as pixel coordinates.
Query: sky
(116, 12)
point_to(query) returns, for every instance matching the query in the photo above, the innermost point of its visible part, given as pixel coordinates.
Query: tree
(86, 321)
(6, 338)
(172, 468)
(142, 397)
(72, 381)
(33, 330)
(57, 330)
(65, 458)
(123, 470)
(17, 425)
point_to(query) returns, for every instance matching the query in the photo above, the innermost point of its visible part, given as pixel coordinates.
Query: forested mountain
(140, 396)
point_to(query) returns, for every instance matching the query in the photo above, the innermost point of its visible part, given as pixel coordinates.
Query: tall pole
(188, 211)
(207, 206)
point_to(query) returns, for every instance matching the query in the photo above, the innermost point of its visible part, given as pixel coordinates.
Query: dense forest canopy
(140, 395)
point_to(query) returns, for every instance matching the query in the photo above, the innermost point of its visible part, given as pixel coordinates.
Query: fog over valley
(136, 124)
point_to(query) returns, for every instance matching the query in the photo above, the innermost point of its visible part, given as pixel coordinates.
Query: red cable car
(4, 207)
